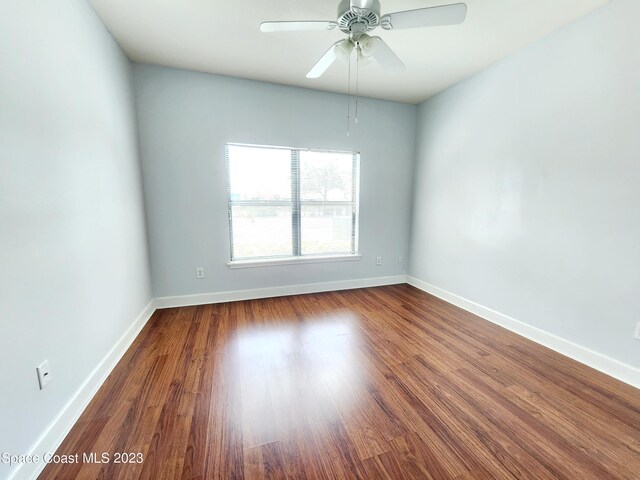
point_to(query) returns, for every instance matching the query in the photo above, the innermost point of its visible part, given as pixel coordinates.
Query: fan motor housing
(365, 13)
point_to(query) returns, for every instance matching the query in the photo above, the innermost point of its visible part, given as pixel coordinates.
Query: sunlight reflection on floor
(313, 365)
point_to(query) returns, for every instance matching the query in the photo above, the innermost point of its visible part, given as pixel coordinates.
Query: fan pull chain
(349, 99)
(357, 81)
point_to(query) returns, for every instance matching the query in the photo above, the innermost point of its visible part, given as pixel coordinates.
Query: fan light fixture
(344, 49)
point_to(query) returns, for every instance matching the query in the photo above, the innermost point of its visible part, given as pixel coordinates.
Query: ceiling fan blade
(425, 17)
(302, 26)
(385, 56)
(327, 59)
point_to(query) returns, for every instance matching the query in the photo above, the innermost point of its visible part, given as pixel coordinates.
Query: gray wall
(185, 120)
(527, 186)
(73, 249)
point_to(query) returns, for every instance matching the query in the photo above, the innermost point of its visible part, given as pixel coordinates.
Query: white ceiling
(222, 36)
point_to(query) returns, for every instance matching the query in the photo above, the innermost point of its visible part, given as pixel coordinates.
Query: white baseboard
(58, 429)
(614, 368)
(236, 295)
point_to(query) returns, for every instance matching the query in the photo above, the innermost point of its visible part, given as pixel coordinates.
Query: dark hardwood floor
(374, 383)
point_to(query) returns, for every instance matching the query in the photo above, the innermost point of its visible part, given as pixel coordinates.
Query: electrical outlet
(378, 261)
(637, 334)
(44, 374)
(400, 259)
(200, 272)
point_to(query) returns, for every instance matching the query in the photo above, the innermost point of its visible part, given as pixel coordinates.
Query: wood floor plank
(388, 383)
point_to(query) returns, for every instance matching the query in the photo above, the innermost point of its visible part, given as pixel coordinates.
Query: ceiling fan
(356, 18)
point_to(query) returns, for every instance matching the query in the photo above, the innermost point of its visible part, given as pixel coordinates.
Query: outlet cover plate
(44, 374)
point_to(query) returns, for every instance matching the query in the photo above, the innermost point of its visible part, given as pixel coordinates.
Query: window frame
(296, 204)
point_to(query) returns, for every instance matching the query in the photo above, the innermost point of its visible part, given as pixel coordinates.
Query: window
(291, 203)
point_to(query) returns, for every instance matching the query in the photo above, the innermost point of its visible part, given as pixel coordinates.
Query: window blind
(290, 202)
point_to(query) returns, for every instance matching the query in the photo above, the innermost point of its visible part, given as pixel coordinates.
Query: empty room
(304, 239)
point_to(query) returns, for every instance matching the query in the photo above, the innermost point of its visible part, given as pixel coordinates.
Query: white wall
(186, 118)
(73, 252)
(528, 185)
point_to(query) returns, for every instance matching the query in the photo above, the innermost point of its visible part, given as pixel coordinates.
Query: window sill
(273, 262)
